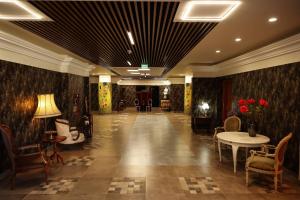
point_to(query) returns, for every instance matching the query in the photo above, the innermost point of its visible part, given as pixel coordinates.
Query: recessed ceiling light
(144, 69)
(220, 10)
(132, 70)
(218, 51)
(129, 63)
(238, 39)
(130, 37)
(33, 14)
(272, 19)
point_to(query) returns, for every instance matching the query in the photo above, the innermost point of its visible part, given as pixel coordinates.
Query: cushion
(260, 162)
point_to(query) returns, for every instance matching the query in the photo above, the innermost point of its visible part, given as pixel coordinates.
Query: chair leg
(13, 181)
(247, 177)
(275, 181)
(46, 169)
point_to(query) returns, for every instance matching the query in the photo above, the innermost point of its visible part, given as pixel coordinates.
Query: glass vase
(251, 130)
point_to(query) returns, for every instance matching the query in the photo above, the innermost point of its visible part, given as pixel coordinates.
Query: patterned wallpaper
(177, 97)
(105, 97)
(94, 99)
(128, 93)
(281, 87)
(208, 90)
(19, 87)
(115, 96)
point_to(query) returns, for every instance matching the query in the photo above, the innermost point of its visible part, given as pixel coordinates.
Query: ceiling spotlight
(132, 70)
(272, 19)
(129, 51)
(130, 37)
(129, 63)
(218, 51)
(238, 39)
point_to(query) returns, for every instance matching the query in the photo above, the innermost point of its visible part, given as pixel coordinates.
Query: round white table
(239, 139)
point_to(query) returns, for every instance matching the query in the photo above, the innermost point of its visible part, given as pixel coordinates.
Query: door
(155, 96)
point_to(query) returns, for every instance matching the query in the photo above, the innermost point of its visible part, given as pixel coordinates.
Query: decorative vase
(251, 130)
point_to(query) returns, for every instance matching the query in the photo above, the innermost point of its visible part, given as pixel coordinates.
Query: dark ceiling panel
(97, 31)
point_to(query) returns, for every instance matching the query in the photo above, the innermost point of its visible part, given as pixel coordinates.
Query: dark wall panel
(281, 87)
(209, 90)
(177, 97)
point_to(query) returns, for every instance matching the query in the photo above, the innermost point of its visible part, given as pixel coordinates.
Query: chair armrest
(26, 147)
(73, 128)
(218, 130)
(267, 147)
(75, 135)
(261, 153)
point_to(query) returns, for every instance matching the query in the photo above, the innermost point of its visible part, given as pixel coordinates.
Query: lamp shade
(46, 107)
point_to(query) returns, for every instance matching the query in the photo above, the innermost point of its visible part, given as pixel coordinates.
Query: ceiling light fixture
(238, 39)
(144, 69)
(272, 19)
(189, 6)
(34, 14)
(129, 63)
(132, 70)
(135, 73)
(130, 37)
(218, 51)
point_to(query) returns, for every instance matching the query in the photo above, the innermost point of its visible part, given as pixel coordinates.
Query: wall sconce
(204, 107)
(166, 91)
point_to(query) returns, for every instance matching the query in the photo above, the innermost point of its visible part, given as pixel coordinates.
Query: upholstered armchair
(268, 162)
(232, 123)
(23, 158)
(73, 135)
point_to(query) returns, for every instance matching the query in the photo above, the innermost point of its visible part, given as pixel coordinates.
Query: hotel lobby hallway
(147, 156)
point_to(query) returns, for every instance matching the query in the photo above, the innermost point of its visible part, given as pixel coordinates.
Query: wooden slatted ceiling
(97, 31)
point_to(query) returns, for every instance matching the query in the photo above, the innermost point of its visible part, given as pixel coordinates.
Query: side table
(52, 138)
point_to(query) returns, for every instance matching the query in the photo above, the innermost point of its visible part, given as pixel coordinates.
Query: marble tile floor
(147, 156)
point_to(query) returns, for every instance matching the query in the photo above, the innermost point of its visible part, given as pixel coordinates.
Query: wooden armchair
(23, 158)
(266, 162)
(232, 123)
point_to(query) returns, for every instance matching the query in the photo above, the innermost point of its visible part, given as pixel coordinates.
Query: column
(105, 94)
(188, 95)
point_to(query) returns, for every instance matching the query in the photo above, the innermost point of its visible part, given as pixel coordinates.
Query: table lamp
(46, 108)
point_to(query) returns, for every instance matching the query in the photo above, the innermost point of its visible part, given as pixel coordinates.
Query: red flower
(263, 103)
(244, 109)
(242, 102)
(251, 101)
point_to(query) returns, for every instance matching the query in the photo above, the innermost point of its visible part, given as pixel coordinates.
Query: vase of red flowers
(252, 109)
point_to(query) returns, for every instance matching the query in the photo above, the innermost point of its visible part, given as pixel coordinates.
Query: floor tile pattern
(128, 185)
(62, 185)
(198, 185)
(80, 161)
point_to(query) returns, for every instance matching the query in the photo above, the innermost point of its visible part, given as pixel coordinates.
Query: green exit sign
(144, 65)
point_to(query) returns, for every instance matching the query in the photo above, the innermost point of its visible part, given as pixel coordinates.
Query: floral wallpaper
(105, 97)
(20, 85)
(177, 97)
(187, 98)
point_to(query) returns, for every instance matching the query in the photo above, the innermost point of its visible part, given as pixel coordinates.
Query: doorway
(155, 96)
